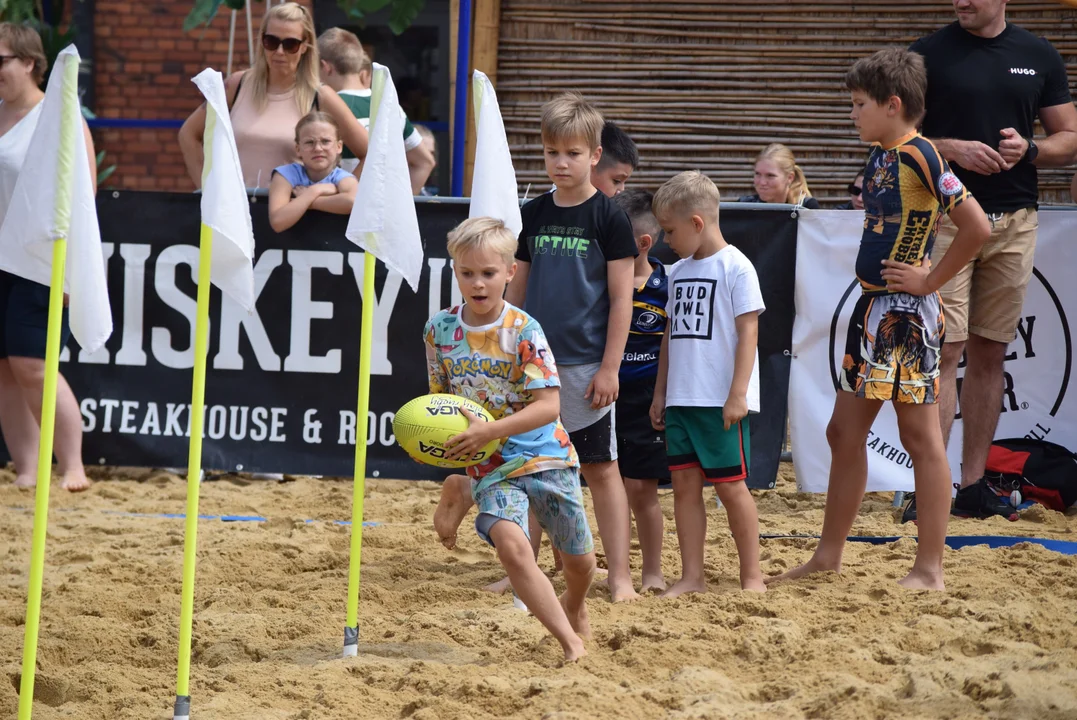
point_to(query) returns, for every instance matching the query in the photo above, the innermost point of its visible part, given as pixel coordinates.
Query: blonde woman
(24, 304)
(778, 179)
(268, 101)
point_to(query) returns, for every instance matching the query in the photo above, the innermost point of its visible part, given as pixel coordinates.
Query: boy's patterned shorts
(555, 498)
(893, 348)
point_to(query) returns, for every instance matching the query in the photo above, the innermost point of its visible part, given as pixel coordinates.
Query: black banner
(281, 383)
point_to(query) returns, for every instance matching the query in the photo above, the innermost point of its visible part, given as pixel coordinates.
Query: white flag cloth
(493, 186)
(53, 199)
(225, 208)
(383, 220)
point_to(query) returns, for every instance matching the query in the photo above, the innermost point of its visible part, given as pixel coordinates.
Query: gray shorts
(576, 411)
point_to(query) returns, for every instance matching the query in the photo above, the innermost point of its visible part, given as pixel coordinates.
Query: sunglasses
(272, 42)
(853, 189)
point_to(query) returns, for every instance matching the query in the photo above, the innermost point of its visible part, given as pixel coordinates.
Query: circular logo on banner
(647, 320)
(949, 185)
(1038, 361)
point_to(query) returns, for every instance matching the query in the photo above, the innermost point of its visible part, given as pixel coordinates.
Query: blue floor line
(1066, 547)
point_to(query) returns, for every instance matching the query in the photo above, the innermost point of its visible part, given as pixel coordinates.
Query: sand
(1001, 642)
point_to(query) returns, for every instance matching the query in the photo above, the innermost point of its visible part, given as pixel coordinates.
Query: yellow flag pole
(64, 186)
(182, 708)
(362, 408)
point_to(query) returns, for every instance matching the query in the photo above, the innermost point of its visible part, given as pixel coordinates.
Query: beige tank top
(264, 139)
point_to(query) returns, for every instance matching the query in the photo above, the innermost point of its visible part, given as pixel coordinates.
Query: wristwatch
(1032, 151)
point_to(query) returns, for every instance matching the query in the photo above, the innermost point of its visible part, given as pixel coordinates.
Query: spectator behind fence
(778, 179)
(24, 305)
(431, 144)
(316, 182)
(268, 100)
(346, 68)
(856, 198)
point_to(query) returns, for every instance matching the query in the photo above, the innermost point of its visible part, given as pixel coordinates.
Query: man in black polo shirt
(988, 80)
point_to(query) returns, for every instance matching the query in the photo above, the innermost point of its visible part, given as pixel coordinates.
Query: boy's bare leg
(452, 508)
(643, 499)
(29, 373)
(535, 529)
(691, 519)
(921, 434)
(744, 524)
(847, 435)
(533, 587)
(579, 572)
(611, 511)
(21, 431)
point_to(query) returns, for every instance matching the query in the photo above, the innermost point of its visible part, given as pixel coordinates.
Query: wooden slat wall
(705, 85)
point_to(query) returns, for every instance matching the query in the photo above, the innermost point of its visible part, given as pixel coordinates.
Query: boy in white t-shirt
(708, 377)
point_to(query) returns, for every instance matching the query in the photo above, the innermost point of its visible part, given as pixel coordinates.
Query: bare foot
(452, 508)
(25, 481)
(579, 620)
(919, 580)
(75, 481)
(623, 593)
(812, 566)
(683, 586)
(754, 585)
(574, 650)
(653, 583)
(500, 587)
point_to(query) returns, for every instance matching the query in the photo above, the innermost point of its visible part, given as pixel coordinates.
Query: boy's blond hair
(690, 192)
(344, 52)
(483, 233)
(569, 117)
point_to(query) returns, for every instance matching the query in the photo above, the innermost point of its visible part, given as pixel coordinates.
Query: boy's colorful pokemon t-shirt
(499, 365)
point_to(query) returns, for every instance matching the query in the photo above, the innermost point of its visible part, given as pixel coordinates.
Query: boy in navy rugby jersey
(641, 450)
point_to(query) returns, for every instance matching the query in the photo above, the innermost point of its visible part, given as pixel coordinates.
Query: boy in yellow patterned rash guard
(895, 334)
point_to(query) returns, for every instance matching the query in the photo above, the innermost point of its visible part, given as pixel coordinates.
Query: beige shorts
(985, 297)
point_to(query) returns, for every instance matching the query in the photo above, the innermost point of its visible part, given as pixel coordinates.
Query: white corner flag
(53, 199)
(225, 208)
(383, 220)
(493, 187)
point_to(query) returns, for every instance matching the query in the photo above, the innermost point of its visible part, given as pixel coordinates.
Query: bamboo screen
(705, 85)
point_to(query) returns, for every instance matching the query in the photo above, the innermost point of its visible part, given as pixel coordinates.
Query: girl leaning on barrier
(24, 304)
(268, 100)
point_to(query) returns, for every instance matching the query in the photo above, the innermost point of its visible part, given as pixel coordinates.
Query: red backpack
(1044, 472)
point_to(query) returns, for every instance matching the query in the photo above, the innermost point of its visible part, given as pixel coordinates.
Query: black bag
(1042, 471)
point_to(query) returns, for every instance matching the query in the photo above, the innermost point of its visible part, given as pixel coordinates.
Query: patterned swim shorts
(893, 348)
(555, 498)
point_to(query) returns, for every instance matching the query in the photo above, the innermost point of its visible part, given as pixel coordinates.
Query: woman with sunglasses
(24, 304)
(268, 101)
(856, 197)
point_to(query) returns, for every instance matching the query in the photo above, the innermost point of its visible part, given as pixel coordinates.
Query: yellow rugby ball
(425, 424)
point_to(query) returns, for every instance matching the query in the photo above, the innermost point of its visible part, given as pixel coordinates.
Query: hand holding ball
(446, 431)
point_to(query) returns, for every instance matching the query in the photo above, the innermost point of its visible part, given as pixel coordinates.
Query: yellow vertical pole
(362, 408)
(182, 708)
(62, 212)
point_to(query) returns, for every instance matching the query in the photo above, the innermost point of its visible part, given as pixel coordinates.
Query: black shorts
(24, 318)
(641, 450)
(596, 442)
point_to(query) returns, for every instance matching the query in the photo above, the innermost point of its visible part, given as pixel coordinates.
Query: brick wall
(143, 65)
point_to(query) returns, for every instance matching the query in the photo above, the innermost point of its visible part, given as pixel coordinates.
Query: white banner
(1037, 400)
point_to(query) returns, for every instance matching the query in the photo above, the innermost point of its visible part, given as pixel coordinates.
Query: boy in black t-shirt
(641, 450)
(576, 256)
